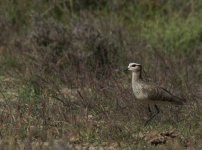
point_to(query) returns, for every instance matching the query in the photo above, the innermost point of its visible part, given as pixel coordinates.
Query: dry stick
(81, 98)
(59, 99)
(62, 100)
(103, 110)
(83, 103)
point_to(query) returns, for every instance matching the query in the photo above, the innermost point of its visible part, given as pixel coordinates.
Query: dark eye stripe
(133, 65)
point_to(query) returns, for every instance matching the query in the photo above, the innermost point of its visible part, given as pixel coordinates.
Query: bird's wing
(157, 93)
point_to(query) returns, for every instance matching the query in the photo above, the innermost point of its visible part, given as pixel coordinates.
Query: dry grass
(62, 84)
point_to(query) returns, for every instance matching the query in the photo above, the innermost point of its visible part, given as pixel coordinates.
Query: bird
(150, 93)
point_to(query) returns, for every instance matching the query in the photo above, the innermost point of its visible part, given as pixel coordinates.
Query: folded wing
(156, 93)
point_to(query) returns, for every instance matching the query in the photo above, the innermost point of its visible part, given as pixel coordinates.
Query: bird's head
(134, 67)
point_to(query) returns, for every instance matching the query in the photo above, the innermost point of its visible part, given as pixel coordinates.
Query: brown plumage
(149, 93)
(156, 93)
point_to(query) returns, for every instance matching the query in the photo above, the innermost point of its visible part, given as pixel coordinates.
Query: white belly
(138, 92)
(140, 95)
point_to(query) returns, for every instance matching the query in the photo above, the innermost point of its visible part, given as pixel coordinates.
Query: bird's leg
(149, 109)
(153, 115)
(157, 109)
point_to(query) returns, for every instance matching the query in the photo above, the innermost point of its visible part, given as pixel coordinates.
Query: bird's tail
(179, 101)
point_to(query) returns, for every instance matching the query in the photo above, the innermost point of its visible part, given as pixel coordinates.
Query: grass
(62, 83)
(175, 35)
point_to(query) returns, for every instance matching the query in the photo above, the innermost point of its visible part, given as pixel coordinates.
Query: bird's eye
(133, 65)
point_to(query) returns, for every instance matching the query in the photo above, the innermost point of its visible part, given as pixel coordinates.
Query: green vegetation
(62, 83)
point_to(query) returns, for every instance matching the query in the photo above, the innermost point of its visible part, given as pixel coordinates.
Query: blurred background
(62, 62)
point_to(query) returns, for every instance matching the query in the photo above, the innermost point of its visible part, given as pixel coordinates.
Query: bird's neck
(136, 76)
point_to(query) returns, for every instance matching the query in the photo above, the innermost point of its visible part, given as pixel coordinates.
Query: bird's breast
(139, 93)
